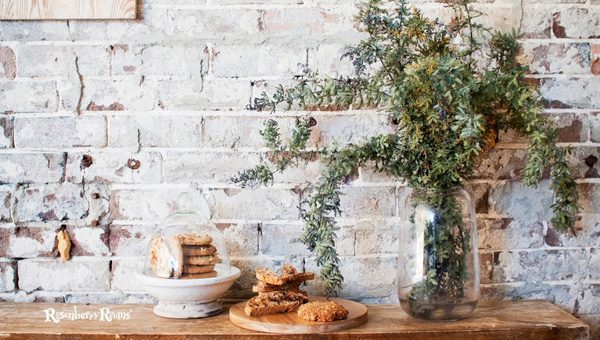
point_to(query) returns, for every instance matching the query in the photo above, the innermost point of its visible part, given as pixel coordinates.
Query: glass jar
(187, 245)
(438, 261)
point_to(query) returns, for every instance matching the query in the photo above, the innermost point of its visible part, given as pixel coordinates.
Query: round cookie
(200, 276)
(201, 260)
(194, 240)
(198, 250)
(192, 269)
(322, 311)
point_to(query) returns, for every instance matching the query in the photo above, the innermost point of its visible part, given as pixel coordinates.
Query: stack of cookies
(277, 293)
(183, 256)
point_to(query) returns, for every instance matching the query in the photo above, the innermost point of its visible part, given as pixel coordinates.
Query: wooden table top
(492, 320)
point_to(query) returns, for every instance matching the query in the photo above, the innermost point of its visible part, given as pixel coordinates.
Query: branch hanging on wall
(67, 9)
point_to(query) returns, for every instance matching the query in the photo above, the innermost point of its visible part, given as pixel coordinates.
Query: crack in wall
(81, 86)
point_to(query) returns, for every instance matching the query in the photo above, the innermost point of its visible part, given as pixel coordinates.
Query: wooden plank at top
(521, 320)
(67, 9)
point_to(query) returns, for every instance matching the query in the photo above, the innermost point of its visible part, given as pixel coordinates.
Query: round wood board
(290, 323)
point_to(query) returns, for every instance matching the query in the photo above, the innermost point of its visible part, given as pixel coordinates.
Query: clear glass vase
(438, 275)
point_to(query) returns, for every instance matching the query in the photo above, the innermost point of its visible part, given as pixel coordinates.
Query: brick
(541, 265)
(31, 167)
(258, 61)
(6, 198)
(46, 60)
(60, 132)
(148, 204)
(258, 204)
(346, 129)
(571, 93)
(594, 270)
(205, 167)
(308, 21)
(381, 283)
(367, 201)
(241, 239)
(589, 194)
(8, 63)
(214, 23)
(186, 59)
(556, 58)
(28, 96)
(114, 167)
(23, 30)
(576, 22)
(30, 242)
(118, 94)
(223, 131)
(196, 93)
(6, 132)
(376, 237)
(155, 131)
(588, 227)
(125, 59)
(506, 233)
(595, 59)
(8, 274)
(521, 202)
(501, 164)
(130, 240)
(122, 273)
(285, 240)
(536, 21)
(479, 193)
(594, 127)
(78, 274)
(49, 202)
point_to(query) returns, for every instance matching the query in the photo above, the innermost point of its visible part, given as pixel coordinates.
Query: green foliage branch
(448, 87)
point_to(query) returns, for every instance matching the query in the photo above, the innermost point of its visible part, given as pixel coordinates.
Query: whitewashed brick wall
(81, 102)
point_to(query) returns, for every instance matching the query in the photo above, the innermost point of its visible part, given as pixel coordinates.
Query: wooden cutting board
(290, 323)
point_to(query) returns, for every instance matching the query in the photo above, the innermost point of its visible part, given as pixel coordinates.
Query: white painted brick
(49, 202)
(155, 131)
(541, 265)
(209, 167)
(259, 204)
(521, 202)
(258, 60)
(376, 236)
(202, 94)
(118, 94)
(346, 129)
(241, 239)
(556, 58)
(28, 96)
(174, 60)
(573, 92)
(114, 167)
(78, 274)
(60, 132)
(31, 167)
(58, 60)
(285, 240)
(122, 273)
(197, 23)
(509, 234)
(381, 282)
(49, 30)
(6, 132)
(6, 198)
(7, 275)
(368, 201)
(130, 240)
(148, 204)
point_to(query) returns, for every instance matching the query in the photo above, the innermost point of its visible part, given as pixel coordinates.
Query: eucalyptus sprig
(448, 108)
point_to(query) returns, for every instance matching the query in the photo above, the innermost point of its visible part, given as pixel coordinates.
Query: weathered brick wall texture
(103, 124)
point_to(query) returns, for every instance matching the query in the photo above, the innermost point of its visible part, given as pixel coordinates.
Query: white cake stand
(189, 298)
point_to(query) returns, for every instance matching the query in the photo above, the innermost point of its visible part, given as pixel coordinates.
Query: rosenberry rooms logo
(103, 314)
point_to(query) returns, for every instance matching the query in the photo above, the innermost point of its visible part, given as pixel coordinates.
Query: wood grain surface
(290, 323)
(492, 320)
(67, 9)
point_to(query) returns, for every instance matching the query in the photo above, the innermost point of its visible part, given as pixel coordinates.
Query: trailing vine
(428, 76)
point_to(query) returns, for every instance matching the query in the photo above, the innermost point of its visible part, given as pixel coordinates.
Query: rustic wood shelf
(492, 320)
